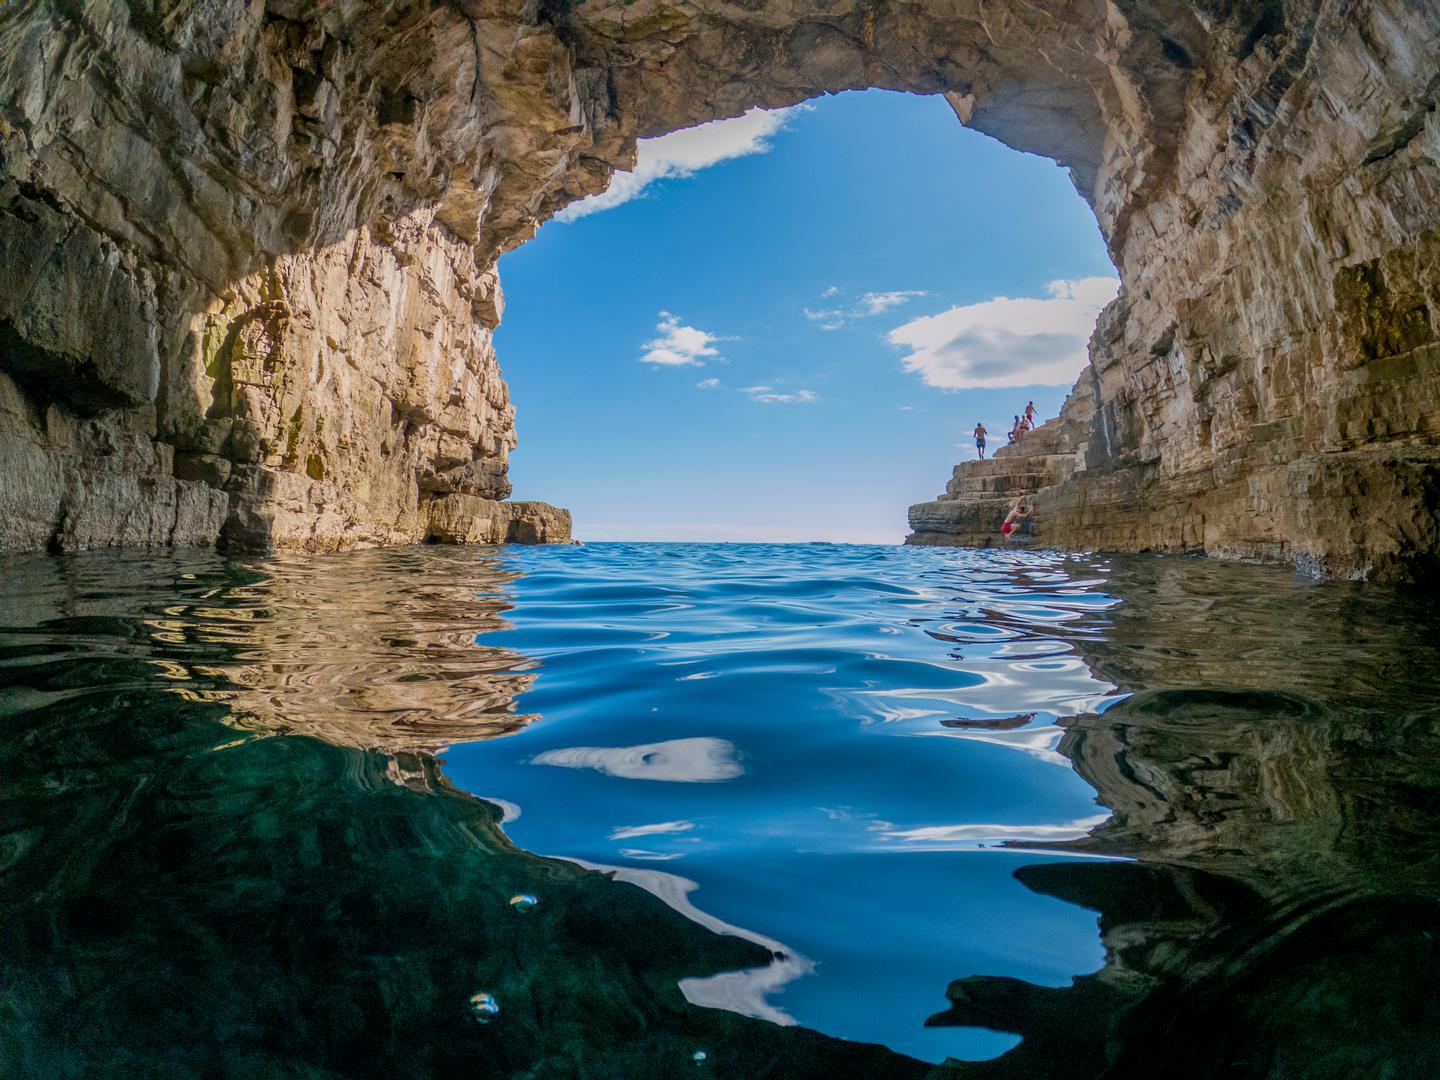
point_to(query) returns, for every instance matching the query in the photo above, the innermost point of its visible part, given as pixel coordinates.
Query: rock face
(1267, 385)
(231, 305)
(247, 250)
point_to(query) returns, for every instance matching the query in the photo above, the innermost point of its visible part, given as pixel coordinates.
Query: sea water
(647, 809)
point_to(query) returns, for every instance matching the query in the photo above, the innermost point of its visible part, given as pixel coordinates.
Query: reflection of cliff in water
(372, 649)
(1283, 917)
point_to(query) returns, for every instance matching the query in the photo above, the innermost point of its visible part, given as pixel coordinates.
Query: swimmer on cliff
(1018, 513)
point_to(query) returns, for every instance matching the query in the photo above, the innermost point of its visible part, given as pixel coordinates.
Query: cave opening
(307, 247)
(813, 300)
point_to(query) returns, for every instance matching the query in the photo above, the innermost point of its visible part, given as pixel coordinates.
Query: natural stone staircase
(980, 493)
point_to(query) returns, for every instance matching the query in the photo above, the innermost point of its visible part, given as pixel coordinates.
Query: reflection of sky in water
(772, 701)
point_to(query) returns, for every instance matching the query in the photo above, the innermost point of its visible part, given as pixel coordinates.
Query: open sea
(689, 810)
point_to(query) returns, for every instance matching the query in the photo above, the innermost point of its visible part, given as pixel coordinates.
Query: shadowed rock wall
(249, 248)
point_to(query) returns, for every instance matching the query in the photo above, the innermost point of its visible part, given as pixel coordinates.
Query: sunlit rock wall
(248, 249)
(230, 304)
(1267, 385)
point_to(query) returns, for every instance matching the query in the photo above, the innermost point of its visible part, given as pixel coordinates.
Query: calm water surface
(801, 810)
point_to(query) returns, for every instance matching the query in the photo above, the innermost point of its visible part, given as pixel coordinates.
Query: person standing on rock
(1030, 414)
(979, 434)
(1018, 513)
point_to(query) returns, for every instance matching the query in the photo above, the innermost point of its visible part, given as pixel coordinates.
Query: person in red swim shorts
(1018, 513)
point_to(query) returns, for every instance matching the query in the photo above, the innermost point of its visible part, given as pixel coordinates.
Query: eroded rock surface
(262, 238)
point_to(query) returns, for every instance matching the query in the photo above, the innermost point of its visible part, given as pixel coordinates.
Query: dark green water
(1152, 816)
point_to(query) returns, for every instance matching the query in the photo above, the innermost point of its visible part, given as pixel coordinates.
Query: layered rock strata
(232, 309)
(1267, 385)
(247, 251)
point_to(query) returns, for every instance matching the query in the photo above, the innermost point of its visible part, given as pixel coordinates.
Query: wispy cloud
(1008, 341)
(679, 344)
(684, 153)
(768, 395)
(877, 303)
(829, 319)
(708, 384)
(866, 306)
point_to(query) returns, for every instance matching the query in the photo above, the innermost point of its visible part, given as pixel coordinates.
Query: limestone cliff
(248, 249)
(232, 307)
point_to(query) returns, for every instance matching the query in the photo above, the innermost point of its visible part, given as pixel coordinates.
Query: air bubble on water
(484, 1006)
(523, 902)
(699, 1056)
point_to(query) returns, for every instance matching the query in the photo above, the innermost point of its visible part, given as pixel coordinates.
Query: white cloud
(683, 153)
(1008, 341)
(869, 305)
(678, 344)
(876, 303)
(831, 319)
(768, 395)
(708, 384)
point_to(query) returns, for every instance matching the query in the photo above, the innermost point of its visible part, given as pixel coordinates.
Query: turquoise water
(754, 733)
(801, 810)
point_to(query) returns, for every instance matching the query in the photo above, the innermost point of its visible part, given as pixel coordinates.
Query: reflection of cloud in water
(974, 835)
(660, 828)
(1040, 742)
(684, 760)
(742, 992)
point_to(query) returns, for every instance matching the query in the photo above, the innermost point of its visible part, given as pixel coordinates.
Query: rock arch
(247, 251)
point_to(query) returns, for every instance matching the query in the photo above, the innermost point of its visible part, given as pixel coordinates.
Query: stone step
(1008, 477)
(981, 485)
(1014, 463)
(981, 492)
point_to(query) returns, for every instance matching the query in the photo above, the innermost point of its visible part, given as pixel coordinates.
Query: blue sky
(784, 326)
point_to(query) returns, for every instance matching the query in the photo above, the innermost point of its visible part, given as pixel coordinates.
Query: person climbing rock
(979, 434)
(1018, 513)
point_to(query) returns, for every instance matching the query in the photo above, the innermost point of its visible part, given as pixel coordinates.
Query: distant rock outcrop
(247, 250)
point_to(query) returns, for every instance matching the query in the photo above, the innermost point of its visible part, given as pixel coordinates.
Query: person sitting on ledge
(1018, 513)
(1015, 429)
